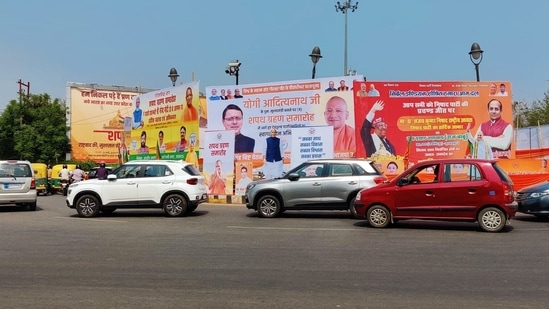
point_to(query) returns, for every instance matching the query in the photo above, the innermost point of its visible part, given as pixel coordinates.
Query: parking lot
(224, 256)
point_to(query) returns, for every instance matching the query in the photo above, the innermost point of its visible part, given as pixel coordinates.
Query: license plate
(12, 186)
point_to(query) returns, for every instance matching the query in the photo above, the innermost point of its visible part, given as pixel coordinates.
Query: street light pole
(343, 8)
(476, 57)
(233, 69)
(315, 56)
(173, 76)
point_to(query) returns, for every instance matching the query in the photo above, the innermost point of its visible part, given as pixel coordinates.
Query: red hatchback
(448, 189)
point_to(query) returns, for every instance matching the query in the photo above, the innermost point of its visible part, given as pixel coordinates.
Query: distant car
(450, 189)
(324, 184)
(534, 200)
(177, 187)
(93, 172)
(17, 184)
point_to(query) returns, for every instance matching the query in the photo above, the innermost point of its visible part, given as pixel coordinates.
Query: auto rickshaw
(41, 177)
(56, 185)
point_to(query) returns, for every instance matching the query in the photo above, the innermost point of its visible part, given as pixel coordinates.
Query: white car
(177, 187)
(17, 184)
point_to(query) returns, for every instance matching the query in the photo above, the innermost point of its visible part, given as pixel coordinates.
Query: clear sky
(135, 43)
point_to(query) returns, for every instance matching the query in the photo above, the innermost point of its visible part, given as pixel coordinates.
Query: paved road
(223, 256)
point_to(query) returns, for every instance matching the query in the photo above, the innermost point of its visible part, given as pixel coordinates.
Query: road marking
(98, 220)
(289, 228)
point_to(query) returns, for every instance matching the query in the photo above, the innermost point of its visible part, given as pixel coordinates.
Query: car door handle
(131, 183)
(353, 182)
(166, 182)
(316, 184)
(429, 193)
(472, 191)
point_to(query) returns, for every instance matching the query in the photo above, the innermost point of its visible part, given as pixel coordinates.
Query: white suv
(175, 186)
(17, 184)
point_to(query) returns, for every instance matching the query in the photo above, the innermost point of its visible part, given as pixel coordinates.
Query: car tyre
(352, 208)
(174, 205)
(191, 208)
(87, 206)
(491, 219)
(268, 206)
(32, 206)
(378, 216)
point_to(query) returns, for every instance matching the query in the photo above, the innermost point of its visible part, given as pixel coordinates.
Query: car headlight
(538, 194)
(250, 186)
(358, 196)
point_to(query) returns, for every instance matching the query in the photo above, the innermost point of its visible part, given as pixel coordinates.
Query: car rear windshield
(502, 174)
(15, 170)
(192, 170)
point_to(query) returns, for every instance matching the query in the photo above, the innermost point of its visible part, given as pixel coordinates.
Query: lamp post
(343, 7)
(315, 56)
(173, 76)
(476, 57)
(233, 69)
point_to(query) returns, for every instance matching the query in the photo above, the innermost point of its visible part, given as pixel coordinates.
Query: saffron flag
(407, 153)
(158, 155)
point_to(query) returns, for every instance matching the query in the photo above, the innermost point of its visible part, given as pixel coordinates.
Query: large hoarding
(433, 120)
(96, 119)
(164, 124)
(253, 110)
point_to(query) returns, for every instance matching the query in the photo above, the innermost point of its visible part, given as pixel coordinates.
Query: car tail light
(379, 180)
(508, 193)
(192, 181)
(33, 183)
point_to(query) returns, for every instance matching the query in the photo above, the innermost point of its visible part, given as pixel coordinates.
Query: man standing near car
(273, 156)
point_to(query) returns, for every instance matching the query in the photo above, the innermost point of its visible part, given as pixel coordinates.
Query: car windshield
(502, 174)
(192, 170)
(15, 170)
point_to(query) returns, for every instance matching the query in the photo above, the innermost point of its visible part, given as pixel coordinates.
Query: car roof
(15, 161)
(158, 162)
(348, 160)
(457, 160)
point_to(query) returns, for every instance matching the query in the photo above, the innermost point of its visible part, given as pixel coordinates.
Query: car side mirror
(403, 182)
(293, 176)
(111, 177)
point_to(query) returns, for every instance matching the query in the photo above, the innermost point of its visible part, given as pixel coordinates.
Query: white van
(17, 184)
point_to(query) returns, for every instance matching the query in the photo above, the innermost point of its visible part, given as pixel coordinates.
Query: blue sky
(135, 43)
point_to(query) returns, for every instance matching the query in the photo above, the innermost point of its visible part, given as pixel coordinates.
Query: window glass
(341, 170)
(189, 169)
(311, 170)
(127, 171)
(15, 170)
(462, 172)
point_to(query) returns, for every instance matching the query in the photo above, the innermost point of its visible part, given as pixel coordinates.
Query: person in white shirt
(64, 173)
(502, 92)
(244, 180)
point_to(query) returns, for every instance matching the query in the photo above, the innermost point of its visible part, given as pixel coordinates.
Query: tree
(34, 129)
(537, 112)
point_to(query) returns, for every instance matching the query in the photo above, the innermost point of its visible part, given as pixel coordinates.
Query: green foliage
(34, 129)
(538, 111)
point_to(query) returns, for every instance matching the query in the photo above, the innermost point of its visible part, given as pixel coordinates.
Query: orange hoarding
(97, 116)
(433, 120)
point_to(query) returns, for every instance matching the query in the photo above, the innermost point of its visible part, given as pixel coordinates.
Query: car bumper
(200, 198)
(533, 207)
(13, 198)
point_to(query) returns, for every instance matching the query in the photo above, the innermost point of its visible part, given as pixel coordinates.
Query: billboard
(164, 124)
(416, 121)
(96, 119)
(252, 110)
